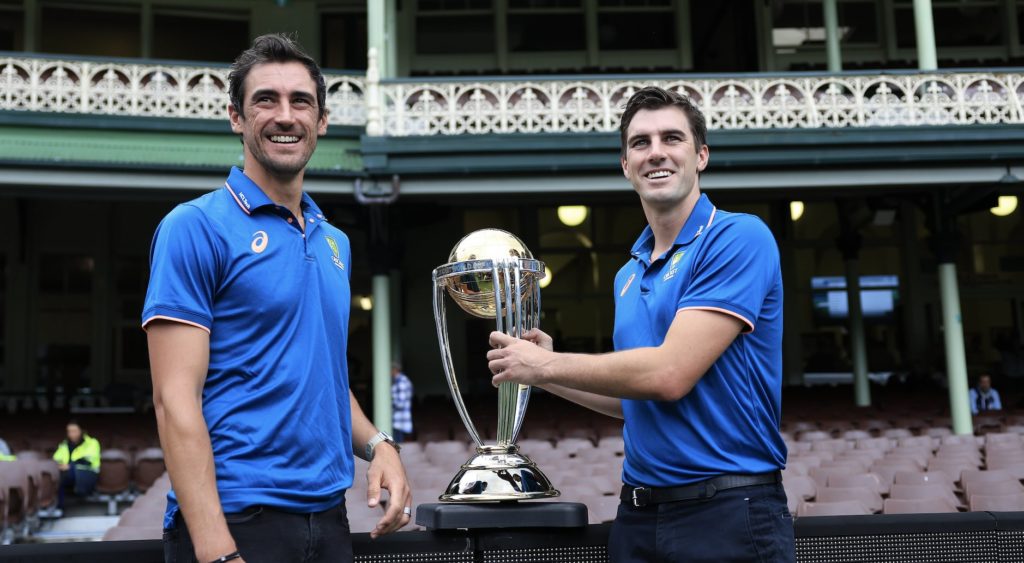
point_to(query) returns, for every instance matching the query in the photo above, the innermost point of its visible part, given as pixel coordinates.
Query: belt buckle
(641, 497)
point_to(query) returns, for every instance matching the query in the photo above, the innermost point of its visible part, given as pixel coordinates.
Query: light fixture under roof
(1006, 205)
(572, 215)
(796, 210)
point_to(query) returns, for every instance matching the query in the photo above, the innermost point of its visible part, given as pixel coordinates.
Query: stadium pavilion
(880, 159)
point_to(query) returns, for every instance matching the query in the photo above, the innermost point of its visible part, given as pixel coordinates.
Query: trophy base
(443, 516)
(498, 473)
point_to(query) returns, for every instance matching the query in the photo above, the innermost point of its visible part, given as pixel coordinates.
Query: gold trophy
(491, 274)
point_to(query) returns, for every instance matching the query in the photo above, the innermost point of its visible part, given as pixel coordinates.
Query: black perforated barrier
(961, 538)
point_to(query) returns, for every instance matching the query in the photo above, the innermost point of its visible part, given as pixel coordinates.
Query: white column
(381, 352)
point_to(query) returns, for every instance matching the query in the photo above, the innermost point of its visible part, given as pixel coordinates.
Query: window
(12, 32)
(343, 38)
(217, 37)
(957, 23)
(97, 30)
(65, 274)
(455, 33)
(801, 23)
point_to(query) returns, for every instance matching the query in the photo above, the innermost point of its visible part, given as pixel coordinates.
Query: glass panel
(90, 32)
(65, 274)
(625, 31)
(454, 35)
(452, 5)
(12, 32)
(955, 26)
(548, 32)
(343, 38)
(222, 39)
(514, 4)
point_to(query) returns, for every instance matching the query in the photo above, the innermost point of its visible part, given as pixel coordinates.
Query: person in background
(984, 397)
(78, 457)
(401, 403)
(5, 451)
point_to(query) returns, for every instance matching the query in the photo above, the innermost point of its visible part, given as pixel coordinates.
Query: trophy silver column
(491, 274)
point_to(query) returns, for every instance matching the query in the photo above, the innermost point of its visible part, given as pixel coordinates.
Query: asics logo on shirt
(259, 241)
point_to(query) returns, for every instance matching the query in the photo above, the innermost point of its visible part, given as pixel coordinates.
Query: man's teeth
(284, 139)
(659, 174)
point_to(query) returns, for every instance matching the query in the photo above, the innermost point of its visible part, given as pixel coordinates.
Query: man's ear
(702, 158)
(321, 128)
(235, 118)
(625, 172)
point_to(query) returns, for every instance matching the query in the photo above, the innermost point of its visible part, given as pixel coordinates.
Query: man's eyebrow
(662, 133)
(274, 93)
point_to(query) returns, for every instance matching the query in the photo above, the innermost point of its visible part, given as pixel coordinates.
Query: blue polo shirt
(729, 422)
(275, 301)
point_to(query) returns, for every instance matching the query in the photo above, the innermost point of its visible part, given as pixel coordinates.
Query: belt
(640, 497)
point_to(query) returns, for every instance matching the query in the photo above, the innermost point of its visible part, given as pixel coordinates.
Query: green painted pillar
(924, 27)
(835, 59)
(30, 23)
(858, 351)
(382, 352)
(956, 358)
(380, 31)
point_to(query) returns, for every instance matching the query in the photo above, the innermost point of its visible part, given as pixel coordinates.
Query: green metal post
(925, 29)
(377, 35)
(956, 360)
(835, 59)
(382, 352)
(858, 351)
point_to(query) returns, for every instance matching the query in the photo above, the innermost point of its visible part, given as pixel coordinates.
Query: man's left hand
(386, 472)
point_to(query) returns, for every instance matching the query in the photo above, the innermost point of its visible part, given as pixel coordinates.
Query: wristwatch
(378, 438)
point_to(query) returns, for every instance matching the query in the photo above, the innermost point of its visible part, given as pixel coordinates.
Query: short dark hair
(653, 98)
(273, 48)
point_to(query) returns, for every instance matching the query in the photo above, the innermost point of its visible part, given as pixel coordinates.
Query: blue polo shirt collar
(699, 220)
(251, 197)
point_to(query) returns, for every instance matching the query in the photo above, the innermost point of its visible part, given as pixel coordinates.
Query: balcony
(527, 105)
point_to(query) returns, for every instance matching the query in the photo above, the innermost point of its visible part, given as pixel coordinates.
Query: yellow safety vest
(88, 450)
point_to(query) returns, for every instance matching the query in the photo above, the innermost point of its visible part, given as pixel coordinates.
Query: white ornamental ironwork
(532, 105)
(142, 90)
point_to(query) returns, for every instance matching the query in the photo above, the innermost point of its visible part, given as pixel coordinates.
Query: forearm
(189, 457)
(609, 406)
(641, 373)
(362, 428)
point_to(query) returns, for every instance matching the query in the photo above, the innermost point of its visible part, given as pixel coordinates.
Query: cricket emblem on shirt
(672, 269)
(335, 251)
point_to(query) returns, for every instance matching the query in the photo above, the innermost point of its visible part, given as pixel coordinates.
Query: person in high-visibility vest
(79, 459)
(5, 452)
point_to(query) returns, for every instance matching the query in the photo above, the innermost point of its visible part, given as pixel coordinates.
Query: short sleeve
(182, 270)
(737, 266)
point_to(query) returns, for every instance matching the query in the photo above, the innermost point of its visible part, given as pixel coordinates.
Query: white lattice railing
(403, 108)
(143, 90)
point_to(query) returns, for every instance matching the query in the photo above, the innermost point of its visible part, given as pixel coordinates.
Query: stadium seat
(997, 503)
(130, 533)
(799, 486)
(841, 508)
(868, 497)
(115, 478)
(916, 506)
(924, 478)
(918, 492)
(866, 480)
(971, 477)
(149, 465)
(1010, 487)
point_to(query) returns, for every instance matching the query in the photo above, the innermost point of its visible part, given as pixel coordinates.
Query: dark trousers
(77, 479)
(746, 524)
(265, 534)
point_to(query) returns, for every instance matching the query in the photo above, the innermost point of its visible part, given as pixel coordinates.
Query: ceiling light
(1007, 205)
(366, 303)
(546, 280)
(796, 210)
(572, 215)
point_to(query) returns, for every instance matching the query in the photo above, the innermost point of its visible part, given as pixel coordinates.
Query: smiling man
(697, 371)
(247, 315)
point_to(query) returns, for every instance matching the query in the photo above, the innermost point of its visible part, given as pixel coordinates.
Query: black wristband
(229, 557)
